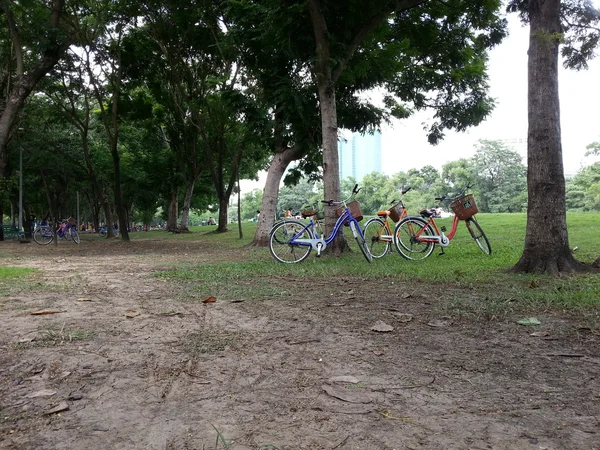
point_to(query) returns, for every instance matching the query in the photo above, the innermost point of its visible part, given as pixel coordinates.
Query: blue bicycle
(291, 241)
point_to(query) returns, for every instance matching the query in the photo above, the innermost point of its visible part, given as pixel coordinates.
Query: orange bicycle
(378, 232)
(416, 237)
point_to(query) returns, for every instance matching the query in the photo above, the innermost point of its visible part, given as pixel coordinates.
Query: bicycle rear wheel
(279, 242)
(377, 237)
(74, 235)
(43, 235)
(407, 238)
(360, 240)
(477, 233)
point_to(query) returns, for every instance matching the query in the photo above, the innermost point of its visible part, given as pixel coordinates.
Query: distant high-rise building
(359, 155)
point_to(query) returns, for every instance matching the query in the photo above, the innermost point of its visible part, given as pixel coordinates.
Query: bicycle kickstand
(442, 252)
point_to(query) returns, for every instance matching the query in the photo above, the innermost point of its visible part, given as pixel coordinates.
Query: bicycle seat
(431, 212)
(383, 213)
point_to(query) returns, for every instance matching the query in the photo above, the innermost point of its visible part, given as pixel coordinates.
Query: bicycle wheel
(406, 241)
(477, 233)
(377, 237)
(74, 235)
(43, 235)
(360, 240)
(279, 242)
(116, 231)
(102, 232)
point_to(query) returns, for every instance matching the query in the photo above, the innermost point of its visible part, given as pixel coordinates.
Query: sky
(404, 142)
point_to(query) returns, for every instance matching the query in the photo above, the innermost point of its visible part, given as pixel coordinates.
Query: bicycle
(416, 237)
(378, 231)
(44, 234)
(104, 231)
(291, 241)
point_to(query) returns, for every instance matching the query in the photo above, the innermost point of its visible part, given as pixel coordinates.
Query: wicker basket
(309, 214)
(354, 208)
(464, 207)
(396, 212)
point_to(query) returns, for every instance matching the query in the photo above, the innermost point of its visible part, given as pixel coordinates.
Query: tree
(419, 40)
(35, 51)
(546, 240)
(500, 178)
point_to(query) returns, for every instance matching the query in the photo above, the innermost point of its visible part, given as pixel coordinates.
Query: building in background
(359, 155)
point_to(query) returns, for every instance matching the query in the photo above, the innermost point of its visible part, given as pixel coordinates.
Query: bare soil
(307, 372)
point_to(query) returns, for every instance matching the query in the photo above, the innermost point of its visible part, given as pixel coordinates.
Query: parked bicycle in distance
(416, 237)
(103, 231)
(291, 241)
(67, 229)
(378, 232)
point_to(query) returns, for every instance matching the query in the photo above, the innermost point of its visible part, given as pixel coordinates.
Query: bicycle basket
(354, 208)
(308, 213)
(464, 207)
(396, 212)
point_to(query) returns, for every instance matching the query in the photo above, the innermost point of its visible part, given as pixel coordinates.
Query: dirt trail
(303, 373)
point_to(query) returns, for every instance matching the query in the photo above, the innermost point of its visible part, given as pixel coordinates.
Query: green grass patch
(14, 272)
(468, 282)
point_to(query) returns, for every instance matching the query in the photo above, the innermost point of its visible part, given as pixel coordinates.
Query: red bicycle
(416, 237)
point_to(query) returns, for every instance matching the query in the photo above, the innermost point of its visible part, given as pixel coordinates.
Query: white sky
(405, 146)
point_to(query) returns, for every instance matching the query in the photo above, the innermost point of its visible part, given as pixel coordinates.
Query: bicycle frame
(440, 238)
(320, 243)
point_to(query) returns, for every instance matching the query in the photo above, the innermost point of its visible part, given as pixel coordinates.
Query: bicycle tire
(373, 231)
(43, 235)
(406, 242)
(116, 232)
(360, 240)
(479, 236)
(280, 236)
(74, 235)
(102, 232)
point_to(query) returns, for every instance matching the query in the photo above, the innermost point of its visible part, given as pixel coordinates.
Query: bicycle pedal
(443, 228)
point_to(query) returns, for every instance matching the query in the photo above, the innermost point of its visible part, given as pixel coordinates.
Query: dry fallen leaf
(382, 327)
(62, 406)
(83, 299)
(439, 323)
(209, 300)
(402, 317)
(42, 393)
(130, 314)
(45, 311)
(539, 334)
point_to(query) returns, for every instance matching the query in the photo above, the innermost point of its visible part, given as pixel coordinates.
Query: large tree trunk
(331, 166)
(268, 206)
(173, 213)
(187, 203)
(546, 240)
(223, 207)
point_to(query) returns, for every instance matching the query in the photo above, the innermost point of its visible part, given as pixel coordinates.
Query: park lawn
(472, 283)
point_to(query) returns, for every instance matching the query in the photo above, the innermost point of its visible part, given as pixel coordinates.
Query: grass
(55, 335)
(473, 284)
(14, 272)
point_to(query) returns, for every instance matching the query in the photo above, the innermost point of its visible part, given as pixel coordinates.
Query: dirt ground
(307, 372)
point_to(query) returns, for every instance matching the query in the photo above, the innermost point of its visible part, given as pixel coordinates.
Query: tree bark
(268, 206)
(173, 212)
(223, 205)
(187, 203)
(546, 240)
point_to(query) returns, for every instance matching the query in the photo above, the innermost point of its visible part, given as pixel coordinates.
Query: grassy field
(471, 283)
(463, 269)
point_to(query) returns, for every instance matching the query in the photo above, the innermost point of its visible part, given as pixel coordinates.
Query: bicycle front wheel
(102, 232)
(279, 242)
(360, 240)
(377, 237)
(477, 233)
(74, 235)
(407, 240)
(43, 235)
